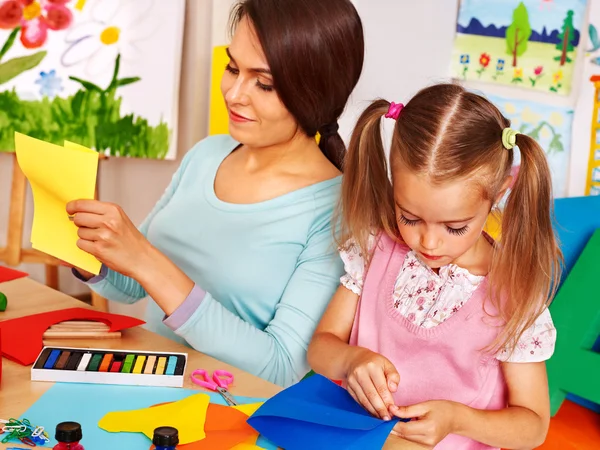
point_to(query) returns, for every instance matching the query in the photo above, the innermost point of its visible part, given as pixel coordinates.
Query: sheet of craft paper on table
(88, 403)
(58, 175)
(531, 44)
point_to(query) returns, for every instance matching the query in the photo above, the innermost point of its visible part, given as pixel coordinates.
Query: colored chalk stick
(74, 361)
(128, 364)
(85, 360)
(105, 364)
(62, 360)
(150, 364)
(95, 362)
(139, 364)
(171, 365)
(52, 359)
(160, 366)
(116, 366)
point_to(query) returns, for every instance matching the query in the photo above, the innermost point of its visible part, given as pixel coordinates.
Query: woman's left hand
(431, 421)
(107, 233)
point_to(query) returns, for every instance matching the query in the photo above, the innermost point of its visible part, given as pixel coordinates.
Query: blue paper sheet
(88, 403)
(576, 220)
(318, 414)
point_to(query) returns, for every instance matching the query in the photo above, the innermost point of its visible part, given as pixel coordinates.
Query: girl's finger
(352, 394)
(415, 429)
(381, 385)
(373, 397)
(361, 397)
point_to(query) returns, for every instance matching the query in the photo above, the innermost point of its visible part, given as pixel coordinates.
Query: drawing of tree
(566, 36)
(518, 33)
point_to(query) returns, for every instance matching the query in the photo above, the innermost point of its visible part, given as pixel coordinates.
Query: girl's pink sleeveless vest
(446, 362)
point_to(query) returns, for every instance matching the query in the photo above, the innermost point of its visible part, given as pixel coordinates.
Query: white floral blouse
(428, 299)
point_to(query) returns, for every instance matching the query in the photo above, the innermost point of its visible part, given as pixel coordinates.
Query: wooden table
(18, 393)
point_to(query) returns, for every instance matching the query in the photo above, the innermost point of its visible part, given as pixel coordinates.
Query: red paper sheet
(22, 337)
(7, 274)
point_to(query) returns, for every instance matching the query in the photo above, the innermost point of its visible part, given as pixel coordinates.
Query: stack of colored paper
(58, 175)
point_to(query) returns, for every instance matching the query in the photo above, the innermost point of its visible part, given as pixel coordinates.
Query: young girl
(434, 321)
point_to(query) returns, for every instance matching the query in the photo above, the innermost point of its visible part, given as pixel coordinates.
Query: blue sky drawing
(499, 12)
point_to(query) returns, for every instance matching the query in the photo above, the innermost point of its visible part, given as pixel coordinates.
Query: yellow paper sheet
(249, 408)
(187, 415)
(218, 116)
(57, 175)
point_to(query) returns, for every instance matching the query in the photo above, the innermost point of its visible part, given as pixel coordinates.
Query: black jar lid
(166, 436)
(68, 432)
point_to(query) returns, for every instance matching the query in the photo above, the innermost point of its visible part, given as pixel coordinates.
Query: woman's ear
(505, 186)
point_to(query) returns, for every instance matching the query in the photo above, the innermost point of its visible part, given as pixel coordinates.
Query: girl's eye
(406, 221)
(458, 231)
(232, 70)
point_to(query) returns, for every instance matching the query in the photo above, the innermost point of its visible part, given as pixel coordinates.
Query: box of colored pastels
(128, 367)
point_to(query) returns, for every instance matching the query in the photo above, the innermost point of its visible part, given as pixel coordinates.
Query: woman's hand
(430, 422)
(107, 233)
(371, 380)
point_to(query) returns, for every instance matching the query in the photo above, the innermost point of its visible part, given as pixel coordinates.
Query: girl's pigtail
(367, 201)
(526, 269)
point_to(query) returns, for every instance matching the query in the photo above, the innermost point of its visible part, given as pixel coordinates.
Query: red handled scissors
(221, 379)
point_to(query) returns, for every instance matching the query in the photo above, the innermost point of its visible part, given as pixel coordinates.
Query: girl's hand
(431, 422)
(371, 380)
(107, 233)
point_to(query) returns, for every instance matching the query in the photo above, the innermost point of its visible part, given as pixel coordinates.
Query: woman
(238, 255)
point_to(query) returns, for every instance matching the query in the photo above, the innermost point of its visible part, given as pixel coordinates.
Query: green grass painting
(90, 117)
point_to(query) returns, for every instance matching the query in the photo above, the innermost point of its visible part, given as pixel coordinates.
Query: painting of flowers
(101, 73)
(550, 126)
(536, 41)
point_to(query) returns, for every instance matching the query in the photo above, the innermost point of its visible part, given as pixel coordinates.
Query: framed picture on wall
(100, 73)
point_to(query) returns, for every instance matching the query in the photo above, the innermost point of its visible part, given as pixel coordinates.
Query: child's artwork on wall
(101, 73)
(550, 126)
(529, 43)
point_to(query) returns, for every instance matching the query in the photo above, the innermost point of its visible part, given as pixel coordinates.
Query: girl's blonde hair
(449, 133)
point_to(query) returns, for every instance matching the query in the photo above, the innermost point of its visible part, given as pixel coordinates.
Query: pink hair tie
(394, 111)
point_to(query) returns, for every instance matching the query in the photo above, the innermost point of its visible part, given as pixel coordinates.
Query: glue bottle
(165, 438)
(68, 435)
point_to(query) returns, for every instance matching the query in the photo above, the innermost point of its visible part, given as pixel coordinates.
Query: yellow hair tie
(509, 138)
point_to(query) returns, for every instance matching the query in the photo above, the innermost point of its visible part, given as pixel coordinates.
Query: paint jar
(165, 438)
(68, 435)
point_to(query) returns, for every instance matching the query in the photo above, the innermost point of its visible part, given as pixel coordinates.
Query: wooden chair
(14, 253)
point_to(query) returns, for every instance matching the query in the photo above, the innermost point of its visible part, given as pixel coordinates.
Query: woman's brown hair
(448, 134)
(315, 51)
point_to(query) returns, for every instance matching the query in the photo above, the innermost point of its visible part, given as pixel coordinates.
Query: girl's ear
(508, 182)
